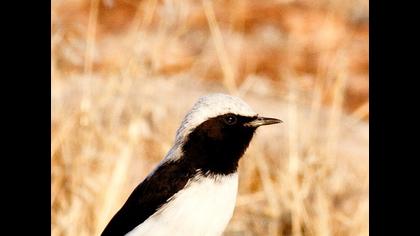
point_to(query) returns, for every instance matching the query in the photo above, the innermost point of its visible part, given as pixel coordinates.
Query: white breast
(203, 208)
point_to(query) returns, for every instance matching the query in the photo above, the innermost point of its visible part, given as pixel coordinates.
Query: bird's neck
(214, 157)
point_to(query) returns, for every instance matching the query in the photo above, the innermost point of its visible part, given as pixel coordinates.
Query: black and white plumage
(193, 190)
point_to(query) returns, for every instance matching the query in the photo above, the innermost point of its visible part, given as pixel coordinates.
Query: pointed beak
(259, 121)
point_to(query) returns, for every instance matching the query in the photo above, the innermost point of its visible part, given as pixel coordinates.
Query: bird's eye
(230, 119)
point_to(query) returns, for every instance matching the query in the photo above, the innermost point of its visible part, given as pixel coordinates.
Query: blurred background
(125, 72)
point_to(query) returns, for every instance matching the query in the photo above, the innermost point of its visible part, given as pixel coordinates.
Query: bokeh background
(125, 72)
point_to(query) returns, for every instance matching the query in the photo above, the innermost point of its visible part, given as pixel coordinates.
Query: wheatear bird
(192, 192)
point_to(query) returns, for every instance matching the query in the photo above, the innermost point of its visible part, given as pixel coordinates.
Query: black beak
(259, 121)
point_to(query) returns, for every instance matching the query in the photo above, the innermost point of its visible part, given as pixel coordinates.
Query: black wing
(149, 196)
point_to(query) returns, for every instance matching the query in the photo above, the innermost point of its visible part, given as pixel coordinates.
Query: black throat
(215, 147)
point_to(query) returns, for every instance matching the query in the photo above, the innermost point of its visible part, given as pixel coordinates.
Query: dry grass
(125, 72)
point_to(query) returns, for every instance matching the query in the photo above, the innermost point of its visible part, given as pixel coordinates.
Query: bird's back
(204, 207)
(177, 200)
(149, 196)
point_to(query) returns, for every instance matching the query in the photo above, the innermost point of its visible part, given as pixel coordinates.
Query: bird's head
(217, 131)
(221, 112)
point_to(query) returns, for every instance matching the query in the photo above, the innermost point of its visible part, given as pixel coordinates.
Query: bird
(192, 191)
